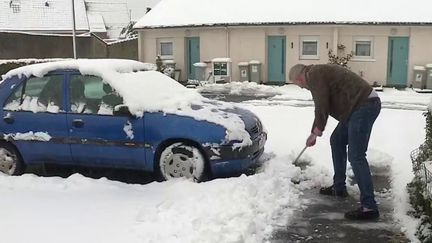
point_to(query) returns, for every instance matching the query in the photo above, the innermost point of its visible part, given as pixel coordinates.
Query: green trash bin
(200, 71)
(255, 71)
(419, 77)
(244, 71)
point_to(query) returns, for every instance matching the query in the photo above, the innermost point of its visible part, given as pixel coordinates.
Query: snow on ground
(241, 88)
(292, 95)
(242, 209)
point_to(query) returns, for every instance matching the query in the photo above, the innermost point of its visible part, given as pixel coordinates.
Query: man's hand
(311, 140)
(317, 132)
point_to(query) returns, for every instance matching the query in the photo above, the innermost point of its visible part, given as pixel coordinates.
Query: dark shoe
(330, 191)
(359, 214)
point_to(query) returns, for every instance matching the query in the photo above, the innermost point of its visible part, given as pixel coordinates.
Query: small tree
(339, 60)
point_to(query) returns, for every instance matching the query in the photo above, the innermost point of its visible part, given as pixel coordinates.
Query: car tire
(11, 162)
(182, 160)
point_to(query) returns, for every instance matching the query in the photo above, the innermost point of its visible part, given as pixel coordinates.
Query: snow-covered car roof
(148, 91)
(118, 65)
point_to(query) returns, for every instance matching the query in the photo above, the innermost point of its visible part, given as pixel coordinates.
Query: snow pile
(241, 88)
(407, 99)
(248, 211)
(391, 98)
(150, 91)
(34, 136)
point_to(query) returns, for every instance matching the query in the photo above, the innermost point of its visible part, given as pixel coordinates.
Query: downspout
(335, 40)
(140, 43)
(227, 42)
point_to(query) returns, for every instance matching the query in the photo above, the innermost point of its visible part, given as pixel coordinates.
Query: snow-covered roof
(42, 15)
(138, 8)
(115, 14)
(96, 23)
(189, 13)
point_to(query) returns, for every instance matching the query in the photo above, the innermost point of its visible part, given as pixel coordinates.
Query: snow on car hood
(150, 91)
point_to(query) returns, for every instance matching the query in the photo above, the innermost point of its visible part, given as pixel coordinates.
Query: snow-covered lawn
(243, 209)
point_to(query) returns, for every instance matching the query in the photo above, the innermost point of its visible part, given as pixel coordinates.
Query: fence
(423, 172)
(40, 46)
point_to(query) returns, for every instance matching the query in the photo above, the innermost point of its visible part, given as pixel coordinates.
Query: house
(105, 18)
(387, 37)
(42, 16)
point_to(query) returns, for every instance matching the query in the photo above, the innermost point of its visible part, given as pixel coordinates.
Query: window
(165, 48)
(90, 95)
(220, 68)
(15, 5)
(37, 95)
(309, 47)
(363, 47)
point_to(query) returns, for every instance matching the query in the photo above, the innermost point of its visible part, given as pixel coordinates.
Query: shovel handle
(298, 157)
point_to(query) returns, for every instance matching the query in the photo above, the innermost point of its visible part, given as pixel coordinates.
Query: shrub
(417, 189)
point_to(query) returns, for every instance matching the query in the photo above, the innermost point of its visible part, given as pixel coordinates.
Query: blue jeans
(355, 133)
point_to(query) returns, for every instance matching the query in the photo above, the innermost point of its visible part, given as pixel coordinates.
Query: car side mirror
(122, 110)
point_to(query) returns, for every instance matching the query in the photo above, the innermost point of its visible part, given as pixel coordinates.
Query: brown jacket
(336, 91)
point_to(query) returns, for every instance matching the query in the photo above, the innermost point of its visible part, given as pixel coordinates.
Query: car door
(34, 119)
(98, 137)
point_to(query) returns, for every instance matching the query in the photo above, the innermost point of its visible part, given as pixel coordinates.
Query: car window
(90, 95)
(37, 95)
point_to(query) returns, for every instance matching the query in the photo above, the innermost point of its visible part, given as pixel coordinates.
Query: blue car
(121, 114)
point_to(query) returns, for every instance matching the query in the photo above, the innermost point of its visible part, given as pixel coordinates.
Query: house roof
(96, 23)
(138, 8)
(115, 14)
(41, 15)
(195, 13)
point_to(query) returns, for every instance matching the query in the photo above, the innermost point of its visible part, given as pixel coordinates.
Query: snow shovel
(298, 157)
(302, 167)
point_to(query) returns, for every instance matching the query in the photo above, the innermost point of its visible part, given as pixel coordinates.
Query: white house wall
(250, 43)
(420, 48)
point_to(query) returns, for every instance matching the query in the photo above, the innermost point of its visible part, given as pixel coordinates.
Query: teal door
(397, 67)
(276, 59)
(192, 55)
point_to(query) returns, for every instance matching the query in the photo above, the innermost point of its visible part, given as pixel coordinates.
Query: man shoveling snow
(348, 98)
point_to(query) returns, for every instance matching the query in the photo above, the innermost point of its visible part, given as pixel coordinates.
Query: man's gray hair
(295, 71)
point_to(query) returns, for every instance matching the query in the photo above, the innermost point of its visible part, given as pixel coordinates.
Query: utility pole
(73, 30)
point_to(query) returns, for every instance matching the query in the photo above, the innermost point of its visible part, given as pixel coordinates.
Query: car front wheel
(10, 161)
(182, 160)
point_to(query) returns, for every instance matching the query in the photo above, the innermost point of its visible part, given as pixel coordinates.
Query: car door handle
(8, 118)
(78, 123)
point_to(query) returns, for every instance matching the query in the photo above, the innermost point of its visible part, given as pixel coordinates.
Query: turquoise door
(192, 55)
(276, 59)
(397, 67)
